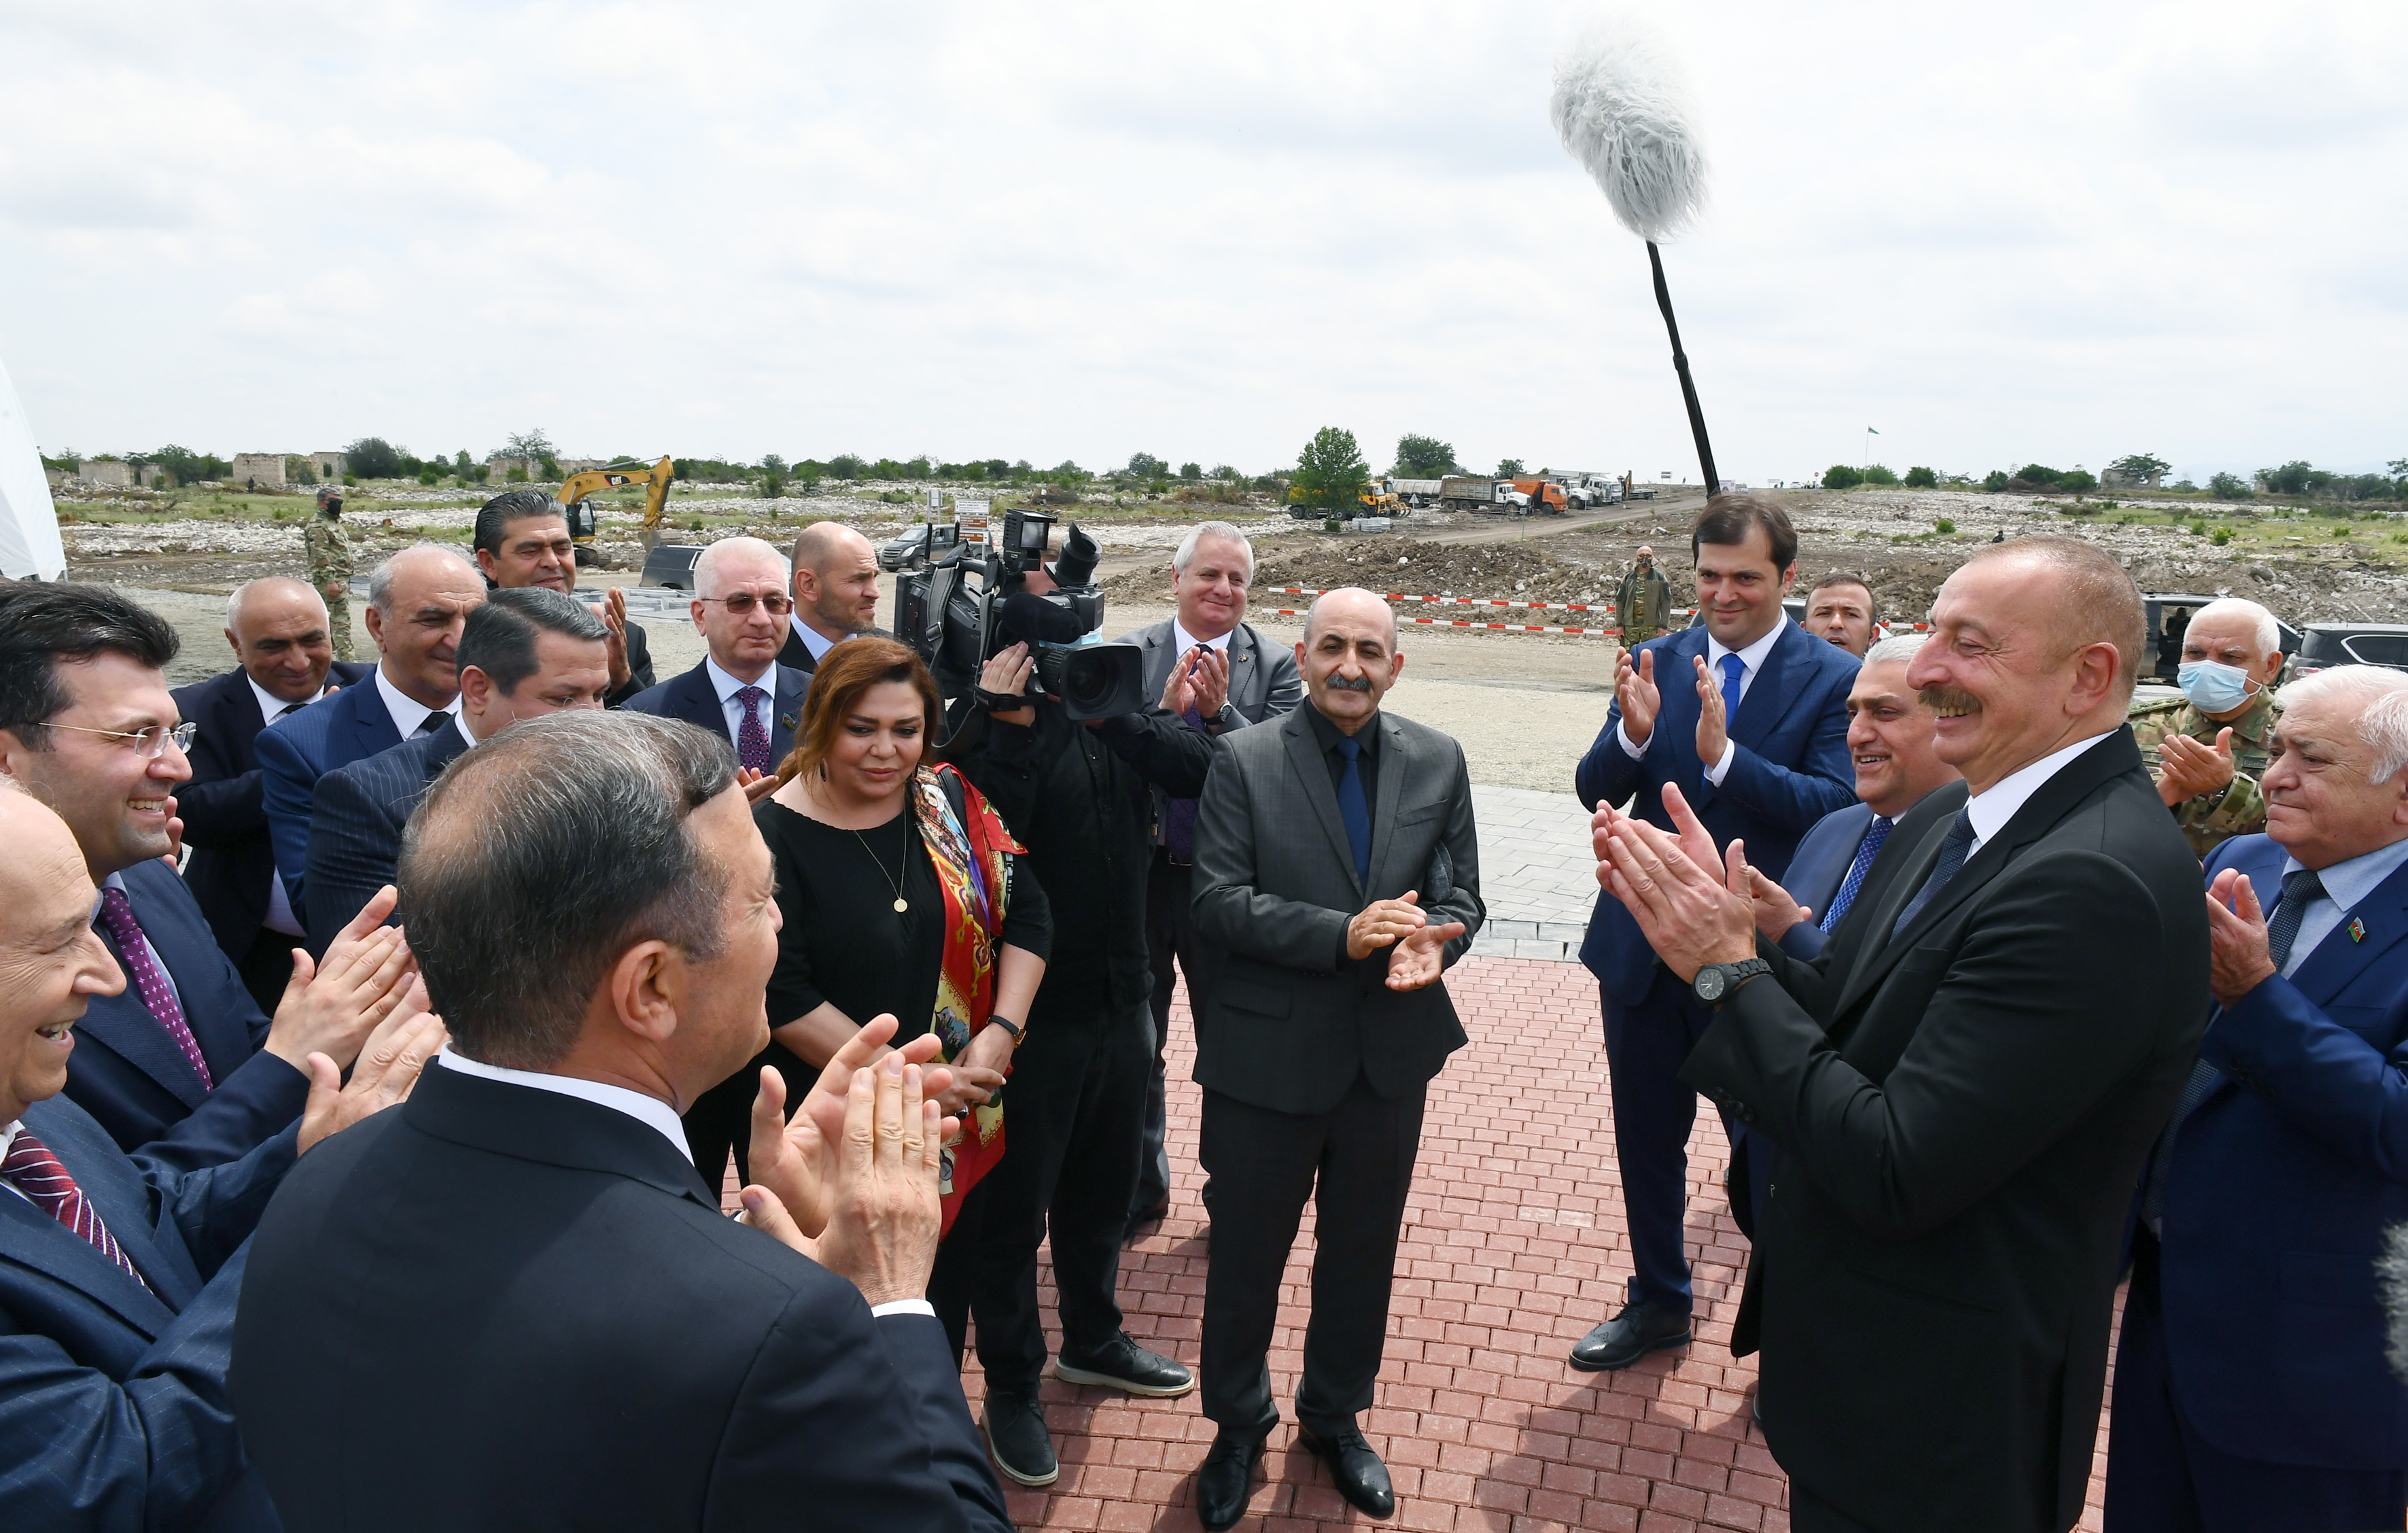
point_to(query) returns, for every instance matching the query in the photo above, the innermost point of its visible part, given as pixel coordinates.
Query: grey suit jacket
(1288, 1023)
(1262, 680)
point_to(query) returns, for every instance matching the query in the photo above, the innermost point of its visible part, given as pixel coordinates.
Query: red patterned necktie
(32, 1170)
(117, 913)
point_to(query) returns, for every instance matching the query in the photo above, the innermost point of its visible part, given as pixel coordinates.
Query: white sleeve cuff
(1715, 773)
(905, 1306)
(1622, 733)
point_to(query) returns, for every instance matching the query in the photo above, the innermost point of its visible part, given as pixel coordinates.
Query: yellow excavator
(582, 518)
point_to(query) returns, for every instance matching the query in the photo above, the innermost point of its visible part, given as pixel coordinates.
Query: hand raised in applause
(1420, 957)
(1690, 916)
(884, 1211)
(1713, 721)
(330, 1007)
(2240, 956)
(390, 1064)
(1211, 675)
(1383, 922)
(797, 1160)
(612, 611)
(1634, 692)
(2188, 769)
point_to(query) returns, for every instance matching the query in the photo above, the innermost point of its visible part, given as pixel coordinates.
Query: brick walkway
(1512, 1248)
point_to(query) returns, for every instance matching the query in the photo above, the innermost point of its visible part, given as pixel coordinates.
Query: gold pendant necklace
(901, 904)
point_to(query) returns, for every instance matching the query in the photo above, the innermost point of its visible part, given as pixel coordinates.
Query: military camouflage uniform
(327, 544)
(1642, 605)
(2240, 809)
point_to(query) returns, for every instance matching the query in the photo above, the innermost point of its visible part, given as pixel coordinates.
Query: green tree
(1191, 470)
(1995, 481)
(1424, 457)
(373, 457)
(532, 445)
(1508, 468)
(773, 476)
(2037, 476)
(2230, 487)
(1330, 471)
(845, 466)
(1921, 479)
(2140, 468)
(2079, 480)
(1842, 477)
(1145, 465)
(1222, 471)
(1876, 474)
(2293, 479)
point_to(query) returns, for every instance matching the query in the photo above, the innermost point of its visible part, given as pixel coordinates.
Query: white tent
(29, 523)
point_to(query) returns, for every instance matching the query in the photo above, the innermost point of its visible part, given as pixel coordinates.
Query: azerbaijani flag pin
(2357, 929)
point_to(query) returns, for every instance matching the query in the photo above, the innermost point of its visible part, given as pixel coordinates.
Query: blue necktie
(1866, 852)
(1353, 809)
(1733, 670)
(1952, 857)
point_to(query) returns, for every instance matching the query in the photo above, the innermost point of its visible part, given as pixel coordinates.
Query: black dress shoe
(1014, 1425)
(1226, 1479)
(1638, 1331)
(1124, 1366)
(1362, 1479)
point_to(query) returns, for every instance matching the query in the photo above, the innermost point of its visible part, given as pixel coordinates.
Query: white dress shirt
(1994, 806)
(814, 640)
(731, 708)
(1751, 660)
(8, 1138)
(117, 881)
(279, 917)
(1187, 641)
(408, 714)
(2346, 883)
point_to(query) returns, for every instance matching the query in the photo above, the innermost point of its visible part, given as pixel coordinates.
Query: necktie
(1733, 670)
(290, 709)
(433, 721)
(1179, 814)
(752, 738)
(2301, 888)
(116, 914)
(32, 1170)
(1952, 857)
(1867, 851)
(1353, 809)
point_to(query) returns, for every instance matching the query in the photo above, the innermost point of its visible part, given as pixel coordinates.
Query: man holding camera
(1079, 797)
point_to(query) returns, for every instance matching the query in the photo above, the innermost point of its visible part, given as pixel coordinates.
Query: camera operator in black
(1077, 795)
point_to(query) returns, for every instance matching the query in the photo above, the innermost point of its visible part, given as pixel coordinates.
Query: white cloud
(2060, 232)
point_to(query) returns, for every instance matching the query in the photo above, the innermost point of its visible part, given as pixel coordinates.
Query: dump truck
(1539, 494)
(1468, 492)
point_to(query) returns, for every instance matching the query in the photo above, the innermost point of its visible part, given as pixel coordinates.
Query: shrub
(2230, 487)
(1995, 481)
(2198, 529)
(1943, 527)
(1841, 477)
(2037, 474)
(1921, 479)
(2077, 481)
(428, 476)
(1876, 474)
(2222, 537)
(373, 457)
(516, 476)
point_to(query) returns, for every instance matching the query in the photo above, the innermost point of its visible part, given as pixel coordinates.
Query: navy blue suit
(1817, 868)
(225, 809)
(135, 1080)
(1791, 769)
(355, 829)
(2251, 1388)
(689, 695)
(113, 1407)
(294, 752)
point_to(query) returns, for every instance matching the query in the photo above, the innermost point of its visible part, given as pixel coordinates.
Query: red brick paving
(1514, 1247)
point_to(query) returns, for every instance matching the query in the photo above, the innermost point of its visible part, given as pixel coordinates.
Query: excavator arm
(655, 480)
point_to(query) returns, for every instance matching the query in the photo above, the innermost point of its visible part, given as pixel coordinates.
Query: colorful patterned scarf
(973, 867)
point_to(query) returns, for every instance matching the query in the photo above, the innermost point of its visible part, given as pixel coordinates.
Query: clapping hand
(1635, 694)
(390, 1064)
(612, 611)
(1383, 922)
(1713, 721)
(330, 1007)
(797, 1160)
(2187, 768)
(1420, 957)
(1212, 682)
(1690, 916)
(2240, 956)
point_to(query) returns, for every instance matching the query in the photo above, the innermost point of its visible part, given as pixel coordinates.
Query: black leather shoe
(1362, 1479)
(1226, 1479)
(1638, 1331)
(1016, 1436)
(1128, 1368)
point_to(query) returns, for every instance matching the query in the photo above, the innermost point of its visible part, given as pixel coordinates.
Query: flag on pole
(1871, 429)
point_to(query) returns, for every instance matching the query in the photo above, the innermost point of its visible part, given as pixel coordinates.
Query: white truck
(1470, 493)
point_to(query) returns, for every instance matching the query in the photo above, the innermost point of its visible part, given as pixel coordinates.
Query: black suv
(670, 565)
(2349, 644)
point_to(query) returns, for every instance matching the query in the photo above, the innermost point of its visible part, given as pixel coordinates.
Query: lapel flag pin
(2357, 929)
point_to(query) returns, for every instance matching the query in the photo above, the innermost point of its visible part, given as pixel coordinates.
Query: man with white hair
(739, 690)
(2251, 1388)
(1218, 673)
(2207, 750)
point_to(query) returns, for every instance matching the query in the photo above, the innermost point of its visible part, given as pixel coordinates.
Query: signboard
(972, 515)
(936, 498)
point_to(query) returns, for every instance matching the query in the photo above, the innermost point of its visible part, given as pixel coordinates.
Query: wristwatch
(1716, 981)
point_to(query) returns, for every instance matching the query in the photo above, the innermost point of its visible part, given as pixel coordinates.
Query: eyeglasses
(741, 604)
(150, 742)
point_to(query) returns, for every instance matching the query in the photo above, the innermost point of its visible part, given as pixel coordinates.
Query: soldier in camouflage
(2208, 749)
(327, 546)
(1643, 602)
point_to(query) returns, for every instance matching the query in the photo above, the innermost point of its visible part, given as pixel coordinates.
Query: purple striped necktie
(32, 1170)
(117, 913)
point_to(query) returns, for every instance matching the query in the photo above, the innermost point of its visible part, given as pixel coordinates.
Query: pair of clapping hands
(362, 1009)
(1402, 923)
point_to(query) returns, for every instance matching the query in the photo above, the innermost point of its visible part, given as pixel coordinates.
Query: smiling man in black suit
(277, 628)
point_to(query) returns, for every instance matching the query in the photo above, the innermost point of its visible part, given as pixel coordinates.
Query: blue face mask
(2213, 687)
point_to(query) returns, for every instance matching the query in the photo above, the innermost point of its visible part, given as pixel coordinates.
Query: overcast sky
(2059, 232)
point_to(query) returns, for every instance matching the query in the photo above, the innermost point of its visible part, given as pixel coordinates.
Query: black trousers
(1355, 1162)
(1167, 891)
(1073, 1120)
(267, 968)
(721, 1119)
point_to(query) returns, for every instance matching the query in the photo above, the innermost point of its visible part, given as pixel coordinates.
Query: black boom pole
(1681, 366)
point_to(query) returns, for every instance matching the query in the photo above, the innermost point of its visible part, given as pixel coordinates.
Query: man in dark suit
(277, 628)
(739, 692)
(524, 653)
(1211, 668)
(118, 1272)
(1747, 713)
(834, 592)
(2251, 1388)
(88, 727)
(523, 541)
(418, 599)
(1964, 1085)
(612, 1351)
(1337, 874)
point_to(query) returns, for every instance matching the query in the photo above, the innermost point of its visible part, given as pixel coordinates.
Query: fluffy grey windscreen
(2391, 1268)
(1621, 106)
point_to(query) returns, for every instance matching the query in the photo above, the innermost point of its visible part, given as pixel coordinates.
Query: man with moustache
(1841, 609)
(1642, 602)
(835, 584)
(522, 542)
(1964, 1084)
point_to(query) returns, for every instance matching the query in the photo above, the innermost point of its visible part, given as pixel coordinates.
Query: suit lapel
(1771, 695)
(34, 1239)
(2382, 916)
(126, 1026)
(1246, 671)
(786, 714)
(1304, 755)
(236, 720)
(1394, 764)
(373, 722)
(1676, 721)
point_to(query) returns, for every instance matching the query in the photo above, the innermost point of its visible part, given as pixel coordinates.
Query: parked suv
(670, 565)
(2327, 644)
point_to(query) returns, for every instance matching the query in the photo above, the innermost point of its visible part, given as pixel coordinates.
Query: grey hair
(2270, 633)
(706, 568)
(2381, 697)
(524, 882)
(234, 602)
(1196, 533)
(1899, 647)
(381, 578)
